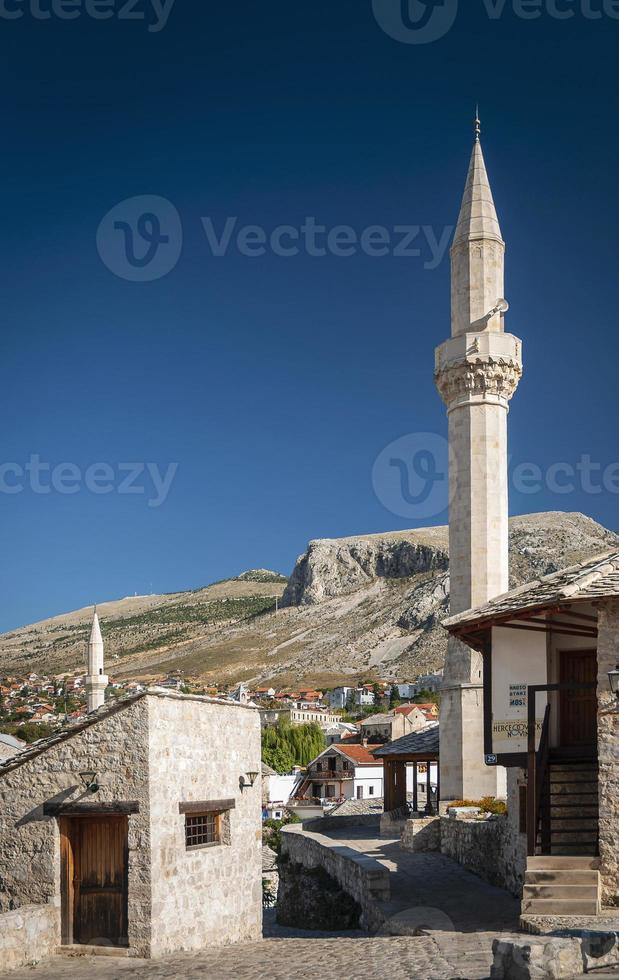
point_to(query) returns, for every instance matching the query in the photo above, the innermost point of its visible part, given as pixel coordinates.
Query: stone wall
(608, 753)
(363, 878)
(116, 748)
(492, 848)
(421, 834)
(28, 935)
(212, 895)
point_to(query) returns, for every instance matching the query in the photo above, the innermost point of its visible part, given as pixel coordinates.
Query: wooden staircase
(561, 885)
(562, 878)
(570, 806)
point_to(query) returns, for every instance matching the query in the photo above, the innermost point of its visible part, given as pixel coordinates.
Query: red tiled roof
(405, 709)
(359, 753)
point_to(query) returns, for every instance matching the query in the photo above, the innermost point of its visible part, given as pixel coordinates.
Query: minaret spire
(477, 372)
(477, 254)
(477, 124)
(96, 680)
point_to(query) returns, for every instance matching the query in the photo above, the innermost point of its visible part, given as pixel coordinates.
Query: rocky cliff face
(539, 544)
(368, 606)
(338, 567)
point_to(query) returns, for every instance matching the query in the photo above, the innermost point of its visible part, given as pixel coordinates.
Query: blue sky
(271, 384)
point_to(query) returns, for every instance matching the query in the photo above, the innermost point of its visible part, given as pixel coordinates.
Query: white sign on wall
(518, 660)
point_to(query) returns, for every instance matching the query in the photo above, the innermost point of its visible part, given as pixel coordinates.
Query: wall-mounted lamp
(89, 779)
(247, 781)
(613, 679)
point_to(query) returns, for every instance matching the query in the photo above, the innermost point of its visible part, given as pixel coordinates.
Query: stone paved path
(459, 913)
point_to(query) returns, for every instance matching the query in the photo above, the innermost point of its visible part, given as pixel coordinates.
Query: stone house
(391, 725)
(138, 827)
(551, 717)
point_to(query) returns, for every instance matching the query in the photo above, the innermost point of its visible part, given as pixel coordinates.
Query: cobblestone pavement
(459, 913)
(272, 959)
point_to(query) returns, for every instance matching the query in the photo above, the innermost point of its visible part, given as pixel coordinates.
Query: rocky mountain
(367, 606)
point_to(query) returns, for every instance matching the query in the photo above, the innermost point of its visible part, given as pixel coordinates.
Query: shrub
(487, 805)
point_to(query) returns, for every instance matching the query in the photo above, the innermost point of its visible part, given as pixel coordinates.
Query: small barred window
(202, 828)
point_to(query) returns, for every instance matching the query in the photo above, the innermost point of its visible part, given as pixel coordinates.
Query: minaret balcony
(478, 367)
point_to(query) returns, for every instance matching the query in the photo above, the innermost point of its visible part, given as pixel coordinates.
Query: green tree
(395, 698)
(427, 697)
(285, 745)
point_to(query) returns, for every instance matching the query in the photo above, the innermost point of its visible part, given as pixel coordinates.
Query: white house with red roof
(343, 772)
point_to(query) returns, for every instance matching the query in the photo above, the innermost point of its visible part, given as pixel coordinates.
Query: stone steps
(560, 891)
(553, 906)
(544, 862)
(560, 877)
(561, 885)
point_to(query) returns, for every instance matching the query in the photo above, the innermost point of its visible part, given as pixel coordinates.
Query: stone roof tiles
(594, 578)
(423, 742)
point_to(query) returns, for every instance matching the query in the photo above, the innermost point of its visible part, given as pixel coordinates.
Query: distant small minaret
(96, 680)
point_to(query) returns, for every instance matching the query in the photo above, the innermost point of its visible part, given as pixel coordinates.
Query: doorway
(578, 708)
(94, 863)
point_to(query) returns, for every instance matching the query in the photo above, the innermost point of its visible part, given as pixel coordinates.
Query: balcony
(329, 775)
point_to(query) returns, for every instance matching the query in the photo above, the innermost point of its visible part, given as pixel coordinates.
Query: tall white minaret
(477, 372)
(96, 680)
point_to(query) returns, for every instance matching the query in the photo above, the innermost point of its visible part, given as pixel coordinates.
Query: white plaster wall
(366, 777)
(519, 659)
(213, 895)
(280, 787)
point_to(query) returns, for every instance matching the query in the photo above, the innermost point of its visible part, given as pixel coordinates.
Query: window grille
(201, 829)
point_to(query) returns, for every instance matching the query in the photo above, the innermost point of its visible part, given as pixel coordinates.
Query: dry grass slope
(368, 606)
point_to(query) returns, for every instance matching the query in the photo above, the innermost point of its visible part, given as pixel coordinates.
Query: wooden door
(98, 847)
(578, 708)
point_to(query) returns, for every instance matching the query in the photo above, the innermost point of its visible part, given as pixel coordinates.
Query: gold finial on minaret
(477, 124)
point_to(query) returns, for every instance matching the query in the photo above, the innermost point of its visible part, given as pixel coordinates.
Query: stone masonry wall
(363, 878)
(608, 753)
(212, 895)
(493, 849)
(421, 834)
(28, 935)
(116, 748)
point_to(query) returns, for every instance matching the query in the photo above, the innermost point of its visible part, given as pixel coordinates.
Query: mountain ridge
(360, 606)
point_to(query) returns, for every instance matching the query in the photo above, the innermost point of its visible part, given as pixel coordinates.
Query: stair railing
(537, 762)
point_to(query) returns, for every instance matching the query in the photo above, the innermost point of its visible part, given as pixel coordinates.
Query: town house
(343, 772)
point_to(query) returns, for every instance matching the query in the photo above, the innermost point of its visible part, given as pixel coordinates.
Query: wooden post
(400, 792)
(429, 807)
(531, 774)
(415, 789)
(388, 776)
